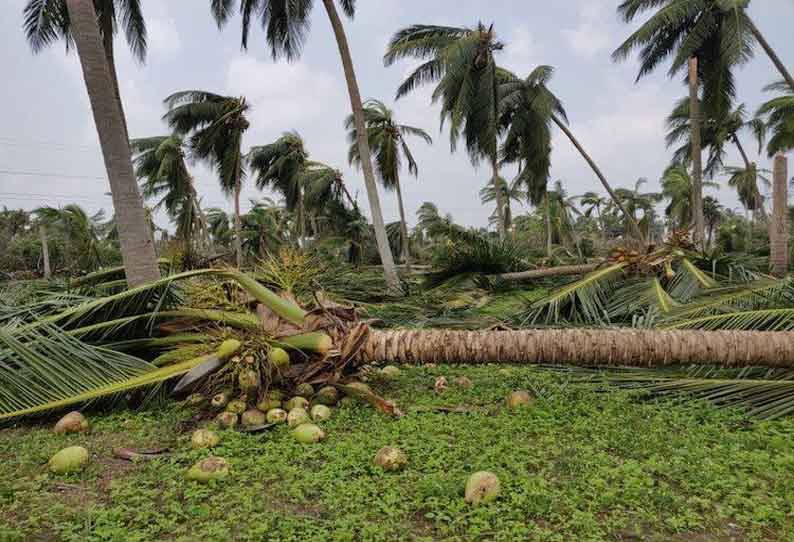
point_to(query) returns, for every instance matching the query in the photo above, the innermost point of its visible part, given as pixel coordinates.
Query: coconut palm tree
(137, 248)
(324, 184)
(527, 107)
(387, 142)
(513, 191)
(47, 21)
(82, 234)
(263, 228)
(286, 24)
(461, 62)
(594, 202)
(777, 115)
(712, 213)
(219, 224)
(216, 125)
(160, 165)
(745, 182)
(700, 35)
(677, 187)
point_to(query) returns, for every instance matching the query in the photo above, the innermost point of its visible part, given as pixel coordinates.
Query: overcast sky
(49, 152)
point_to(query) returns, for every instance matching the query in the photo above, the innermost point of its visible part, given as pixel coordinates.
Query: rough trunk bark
(137, 249)
(406, 252)
(635, 228)
(390, 272)
(771, 53)
(238, 225)
(546, 272)
(582, 347)
(45, 251)
(547, 219)
(697, 158)
(779, 249)
(497, 186)
(110, 57)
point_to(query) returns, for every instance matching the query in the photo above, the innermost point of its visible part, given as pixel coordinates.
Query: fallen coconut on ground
(304, 390)
(482, 487)
(518, 399)
(227, 420)
(71, 459)
(211, 468)
(297, 416)
(74, 422)
(237, 406)
(320, 413)
(252, 418)
(278, 357)
(204, 438)
(308, 433)
(220, 400)
(248, 380)
(464, 382)
(296, 402)
(276, 415)
(391, 458)
(327, 395)
(390, 372)
(269, 402)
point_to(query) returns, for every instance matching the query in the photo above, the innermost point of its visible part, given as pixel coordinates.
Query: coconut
(268, 404)
(276, 415)
(71, 459)
(212, 468)
(518, 399)
(359, 386)
(464, 382)
(304, 390)
(204, 438)
(347, 401)
(220, 400)
(391, 458)
(237, 406)
(296, 402)
(248, 380)
(195, 400)
(308, 433)
(74, 422)
(278, 357)
(320, 413)
(390, 372)
(482, 487)
(326, 396)
(227, 420)
(297, 416)
(253, 417)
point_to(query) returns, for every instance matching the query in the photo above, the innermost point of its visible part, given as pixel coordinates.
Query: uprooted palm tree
(216, 125)
(461, 62)
(387, 142)
(286, 24)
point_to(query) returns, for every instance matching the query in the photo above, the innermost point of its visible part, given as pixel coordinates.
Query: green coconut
(296, 402)
(204, 438)
(237, 406)
(74, 422)
(276, 415)
(267, 404)
(304, 390)
(248, 380)
(211, 468)
(71, 459)
(297, 416)
(195, 400)
(227, 420)
(390, 372)
(347, 401)
(308, 433)
(518, 399)
(391, 458)
(464, 382)
(360, 386)
(252, 418)
(220, 400)
(327, 395)
(482, 487)
(278, 357)
(320, 413)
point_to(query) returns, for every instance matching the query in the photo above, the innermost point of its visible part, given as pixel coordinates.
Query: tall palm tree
(324, 184)
(745, 182)
(46, 21)
(594, 202)
(461, 62)
(216, 125)
(513, 191)
(82, 234)
(387, 141)
(703, 37)
(264, 228)
(527, 107)
(137, 248)
(286, 24)
(777, 115)
(712, 213)
(160, 165)
(677, 186)
(560, 211)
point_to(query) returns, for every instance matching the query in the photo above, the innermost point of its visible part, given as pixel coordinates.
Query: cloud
(590, 37)
(518, 55)
(162, 36)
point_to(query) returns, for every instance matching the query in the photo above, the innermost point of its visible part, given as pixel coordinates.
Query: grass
(576, 465)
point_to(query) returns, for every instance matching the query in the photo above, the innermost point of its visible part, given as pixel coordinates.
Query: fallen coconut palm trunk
(582, 347)
(547, 272)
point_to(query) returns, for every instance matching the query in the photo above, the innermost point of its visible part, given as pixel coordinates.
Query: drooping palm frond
(476, 255)
(754, 320)
(639, 298)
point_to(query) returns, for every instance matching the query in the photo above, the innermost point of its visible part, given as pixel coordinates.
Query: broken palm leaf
(758, 320)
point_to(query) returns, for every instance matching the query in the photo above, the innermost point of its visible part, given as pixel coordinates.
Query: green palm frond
(753, 320)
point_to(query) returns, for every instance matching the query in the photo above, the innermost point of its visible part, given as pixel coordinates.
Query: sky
(49, 150)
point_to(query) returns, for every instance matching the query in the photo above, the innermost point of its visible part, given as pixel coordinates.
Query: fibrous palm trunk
(238, 226)
(559, 271)
(547, 219)
(497, 186)
(779, 248)
(387, 260)
(582, 347)
(107, 44)
(406, 251)
(697, 160)
(45, 251)
(771, 53)
(137, 249)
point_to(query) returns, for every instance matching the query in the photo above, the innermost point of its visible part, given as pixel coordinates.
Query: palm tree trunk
(771, 53)
(779, 253)
(387, 260)
(406, 252)
(547, 272)
(45, 251)
(582, 347)
(547, 219)
(632, 223)
(697, 158)
(497, 186)
(238, 225)
(301, 219)
(107, 44)
(750, 166)
(137, 249)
